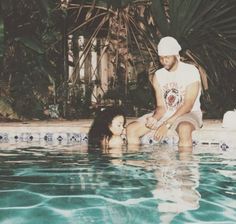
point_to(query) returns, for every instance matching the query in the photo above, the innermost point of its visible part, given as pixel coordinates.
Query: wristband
(168, 125)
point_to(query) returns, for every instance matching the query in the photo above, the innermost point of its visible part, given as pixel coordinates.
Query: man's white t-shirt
(173, 86)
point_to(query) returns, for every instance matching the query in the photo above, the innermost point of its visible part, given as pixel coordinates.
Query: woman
(108, 128)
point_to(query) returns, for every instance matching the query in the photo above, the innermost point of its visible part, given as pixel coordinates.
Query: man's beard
(169, 67)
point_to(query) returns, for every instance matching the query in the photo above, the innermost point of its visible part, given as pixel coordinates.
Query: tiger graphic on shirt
(173, 95)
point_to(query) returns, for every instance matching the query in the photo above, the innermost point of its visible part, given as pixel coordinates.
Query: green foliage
(1, 37)
(33, 44)
(139, 98)
(117, 4)
(33, 49)
(142, 95)
(1, 40)
(79, 102)
(206, 29)
(32, 56)
(6, 110)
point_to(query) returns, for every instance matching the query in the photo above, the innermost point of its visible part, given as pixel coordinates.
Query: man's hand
(161, 132)
(151, 122)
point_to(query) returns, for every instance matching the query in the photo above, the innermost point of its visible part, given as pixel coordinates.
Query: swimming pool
(152, 184)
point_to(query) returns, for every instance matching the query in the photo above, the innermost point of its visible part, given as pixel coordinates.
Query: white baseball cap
(168, 46)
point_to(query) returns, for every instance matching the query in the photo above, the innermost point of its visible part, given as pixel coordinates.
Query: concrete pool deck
(64, 131)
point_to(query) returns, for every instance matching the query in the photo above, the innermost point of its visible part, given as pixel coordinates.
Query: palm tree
(32, 55)
(122, 32)
(207, 32)
(205, 29)
(1, 38)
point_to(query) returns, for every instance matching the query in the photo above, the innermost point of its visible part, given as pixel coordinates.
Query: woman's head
(117, 125)
(107, 123)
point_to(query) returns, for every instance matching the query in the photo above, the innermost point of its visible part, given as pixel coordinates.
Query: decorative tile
(64, 138)
(74, 137)
(224, 146)
(48, 137)
(84, 138)
(28, 137)
(60, 138)
(4, 138)
(16, 137)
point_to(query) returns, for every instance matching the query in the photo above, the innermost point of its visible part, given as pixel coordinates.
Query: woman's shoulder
(116, 141)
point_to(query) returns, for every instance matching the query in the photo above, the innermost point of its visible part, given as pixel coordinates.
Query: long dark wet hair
(99, 129)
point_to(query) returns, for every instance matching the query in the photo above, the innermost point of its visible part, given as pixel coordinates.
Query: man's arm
(160, 107)
(192, 91)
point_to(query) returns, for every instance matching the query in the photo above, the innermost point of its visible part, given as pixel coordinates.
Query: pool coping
(212, 131)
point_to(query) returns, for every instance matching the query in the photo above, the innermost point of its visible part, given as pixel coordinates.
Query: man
(177, 88)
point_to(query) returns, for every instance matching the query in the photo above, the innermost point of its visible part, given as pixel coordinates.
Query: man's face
(169, 62)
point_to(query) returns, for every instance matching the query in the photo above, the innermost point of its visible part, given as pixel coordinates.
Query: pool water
(154, 184)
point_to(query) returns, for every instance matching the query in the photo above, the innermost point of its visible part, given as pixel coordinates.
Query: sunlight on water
(154, 184)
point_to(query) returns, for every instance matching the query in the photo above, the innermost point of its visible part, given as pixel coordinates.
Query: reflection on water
(121, 185)
(178, 178)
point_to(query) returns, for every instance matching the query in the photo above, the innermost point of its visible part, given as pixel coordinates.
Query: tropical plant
(126, 32)
(1, 40)
(32, 57)
(122, 32)
(6, 111)
(207, 32)
(131, 29)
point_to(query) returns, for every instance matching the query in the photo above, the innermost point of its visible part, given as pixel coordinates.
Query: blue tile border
(4, 138)
(66, 138)
(48, 137)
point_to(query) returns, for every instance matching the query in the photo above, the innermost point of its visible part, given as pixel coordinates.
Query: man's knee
(132, 133)
(131, 128)
(185, 129)
(136, 129)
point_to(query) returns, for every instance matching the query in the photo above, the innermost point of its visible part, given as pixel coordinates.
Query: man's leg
(184, 131)
(134, 131)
